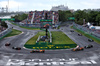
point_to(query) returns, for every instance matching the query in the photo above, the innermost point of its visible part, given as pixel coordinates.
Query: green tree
(64, 15)
(79, 16)
(98, 19)
(20, 17)
(4, 24)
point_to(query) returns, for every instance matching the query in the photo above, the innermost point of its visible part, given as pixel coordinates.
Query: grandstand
(35, 17)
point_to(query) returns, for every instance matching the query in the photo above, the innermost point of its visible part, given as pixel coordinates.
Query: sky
(28, 5)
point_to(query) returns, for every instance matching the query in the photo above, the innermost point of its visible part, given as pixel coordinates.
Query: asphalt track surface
(9, 56)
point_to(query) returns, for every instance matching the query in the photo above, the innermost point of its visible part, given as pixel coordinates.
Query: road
(8, 56)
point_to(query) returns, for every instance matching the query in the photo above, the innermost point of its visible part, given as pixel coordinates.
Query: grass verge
(60, 41)
(13, 33)
(32, 41)
(87, 35)
(59, 37)
(30, 28)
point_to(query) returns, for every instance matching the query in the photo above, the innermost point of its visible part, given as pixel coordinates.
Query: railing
(36, 25)
(87, 30)
(5, 32)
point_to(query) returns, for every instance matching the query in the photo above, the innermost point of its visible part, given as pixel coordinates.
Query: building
(61, 7)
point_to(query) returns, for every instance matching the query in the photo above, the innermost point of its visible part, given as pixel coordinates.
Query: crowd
(41, 15)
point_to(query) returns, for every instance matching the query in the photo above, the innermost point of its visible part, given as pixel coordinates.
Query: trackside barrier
(38, 39)
(26, 25)
(5, 32)
(23, 26)
(86, 33)
(50, 46)
(50, 36)
(87, 30)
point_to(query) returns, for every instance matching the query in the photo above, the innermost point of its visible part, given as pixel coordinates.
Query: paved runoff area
(23, 57)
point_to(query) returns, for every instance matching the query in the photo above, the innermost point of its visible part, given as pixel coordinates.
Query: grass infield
(59, 41)
(30, 28)
(60, 38)
(32, 41)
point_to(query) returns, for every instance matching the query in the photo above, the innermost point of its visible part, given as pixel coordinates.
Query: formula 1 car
(89, 46)
(79, 34)
(78, 49)
(71, 30)
(37, 51)
(7, 44)
(16, 48)
(90, 40)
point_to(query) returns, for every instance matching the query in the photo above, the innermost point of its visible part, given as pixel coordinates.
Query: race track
(8, 56)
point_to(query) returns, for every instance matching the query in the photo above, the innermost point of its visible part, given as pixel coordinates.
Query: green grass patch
(58, 27)
(13, 23)
(87, 35)
(60, 41)
(30, 28)
(71, 27)
(14, 32)
(59, 37)
(32, 41)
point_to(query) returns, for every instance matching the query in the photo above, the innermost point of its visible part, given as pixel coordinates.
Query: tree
(20, 17)
(64, 15)
(4, 24)
(98, 19)
(79, 16)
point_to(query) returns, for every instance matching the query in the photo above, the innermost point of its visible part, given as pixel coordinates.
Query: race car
(78, 49)
(16, 48)
(7, 44)
(79, 34)
(90, 40)
(37, 51)
(71, 30)
(89, 46)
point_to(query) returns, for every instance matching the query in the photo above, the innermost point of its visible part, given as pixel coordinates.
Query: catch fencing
(87, 30)
(5, 32)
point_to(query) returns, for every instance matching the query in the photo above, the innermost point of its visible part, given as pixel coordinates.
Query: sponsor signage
(46, 20)
(71, 18)
(7, 19)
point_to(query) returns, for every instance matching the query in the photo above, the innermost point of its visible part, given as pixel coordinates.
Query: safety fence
(5, 32)
(87, 30)
(89, 35)
(37, 25)
(50, 46)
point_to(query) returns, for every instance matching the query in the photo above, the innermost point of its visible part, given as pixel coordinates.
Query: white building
(61, 7)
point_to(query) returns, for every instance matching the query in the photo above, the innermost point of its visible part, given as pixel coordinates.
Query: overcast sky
(28, 5)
